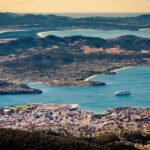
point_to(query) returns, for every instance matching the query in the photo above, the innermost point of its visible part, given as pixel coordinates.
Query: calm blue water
(97, 99)
(84, 32)
(97, 33)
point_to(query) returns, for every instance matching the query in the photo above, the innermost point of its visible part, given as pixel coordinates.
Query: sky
(74, 6)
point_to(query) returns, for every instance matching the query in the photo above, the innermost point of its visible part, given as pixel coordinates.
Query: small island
(7, 88)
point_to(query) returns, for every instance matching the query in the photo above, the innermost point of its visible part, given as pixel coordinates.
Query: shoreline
(113, 70)
(91, 77)
(11, 30)
(84, 82)
(44, 34)
(48, 116)
(40, 34)
(144, 29)
(88, 79)
(122, 68)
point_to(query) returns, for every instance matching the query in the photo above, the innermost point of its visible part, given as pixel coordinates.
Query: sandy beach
(40, 34)
(89, 78)
(115, 70)
(10, 30)
(123, 68)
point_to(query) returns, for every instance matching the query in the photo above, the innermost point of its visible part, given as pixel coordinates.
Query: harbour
(94, 99)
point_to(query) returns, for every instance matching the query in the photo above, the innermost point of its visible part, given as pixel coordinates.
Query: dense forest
(40, 140)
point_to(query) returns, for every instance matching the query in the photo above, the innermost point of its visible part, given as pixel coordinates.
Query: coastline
(99, 34)
(47, 89)
(91, 77)
(40, 34)
(85, 81)
(122, 68)
(144, 29)
(99, 123)
(113, 70)
(11, 30)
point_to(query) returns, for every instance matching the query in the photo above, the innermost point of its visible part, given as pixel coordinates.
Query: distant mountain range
(57, 22)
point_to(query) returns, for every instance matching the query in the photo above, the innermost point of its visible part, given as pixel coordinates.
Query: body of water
(96, 99)
(96, 33)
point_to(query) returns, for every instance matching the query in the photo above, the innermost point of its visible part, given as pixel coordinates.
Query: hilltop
(38, 140)
(74, 43)
(69, 60)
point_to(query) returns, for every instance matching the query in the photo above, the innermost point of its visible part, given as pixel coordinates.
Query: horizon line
(75, 12)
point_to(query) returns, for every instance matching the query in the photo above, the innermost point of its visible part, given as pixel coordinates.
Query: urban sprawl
(69, 120)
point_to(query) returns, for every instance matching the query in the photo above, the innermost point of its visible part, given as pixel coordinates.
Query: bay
(96, 33)
(96, 99)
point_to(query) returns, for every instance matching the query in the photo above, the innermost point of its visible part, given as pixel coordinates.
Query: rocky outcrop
(75, 83)
(14, 88)
(97, 83)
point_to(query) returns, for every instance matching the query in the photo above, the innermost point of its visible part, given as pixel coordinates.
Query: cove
(96, 99)
(95, 33)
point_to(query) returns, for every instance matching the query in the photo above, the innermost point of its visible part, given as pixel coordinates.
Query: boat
(121, 92)
(110, 73)
(74, 107)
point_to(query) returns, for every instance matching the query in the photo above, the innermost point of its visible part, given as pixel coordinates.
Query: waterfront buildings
(62, 119)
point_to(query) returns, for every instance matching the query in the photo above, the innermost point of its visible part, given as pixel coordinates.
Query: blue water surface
(96, 99)
(97, 33)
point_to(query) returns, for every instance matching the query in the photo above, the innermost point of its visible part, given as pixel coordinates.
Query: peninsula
(7, 88)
